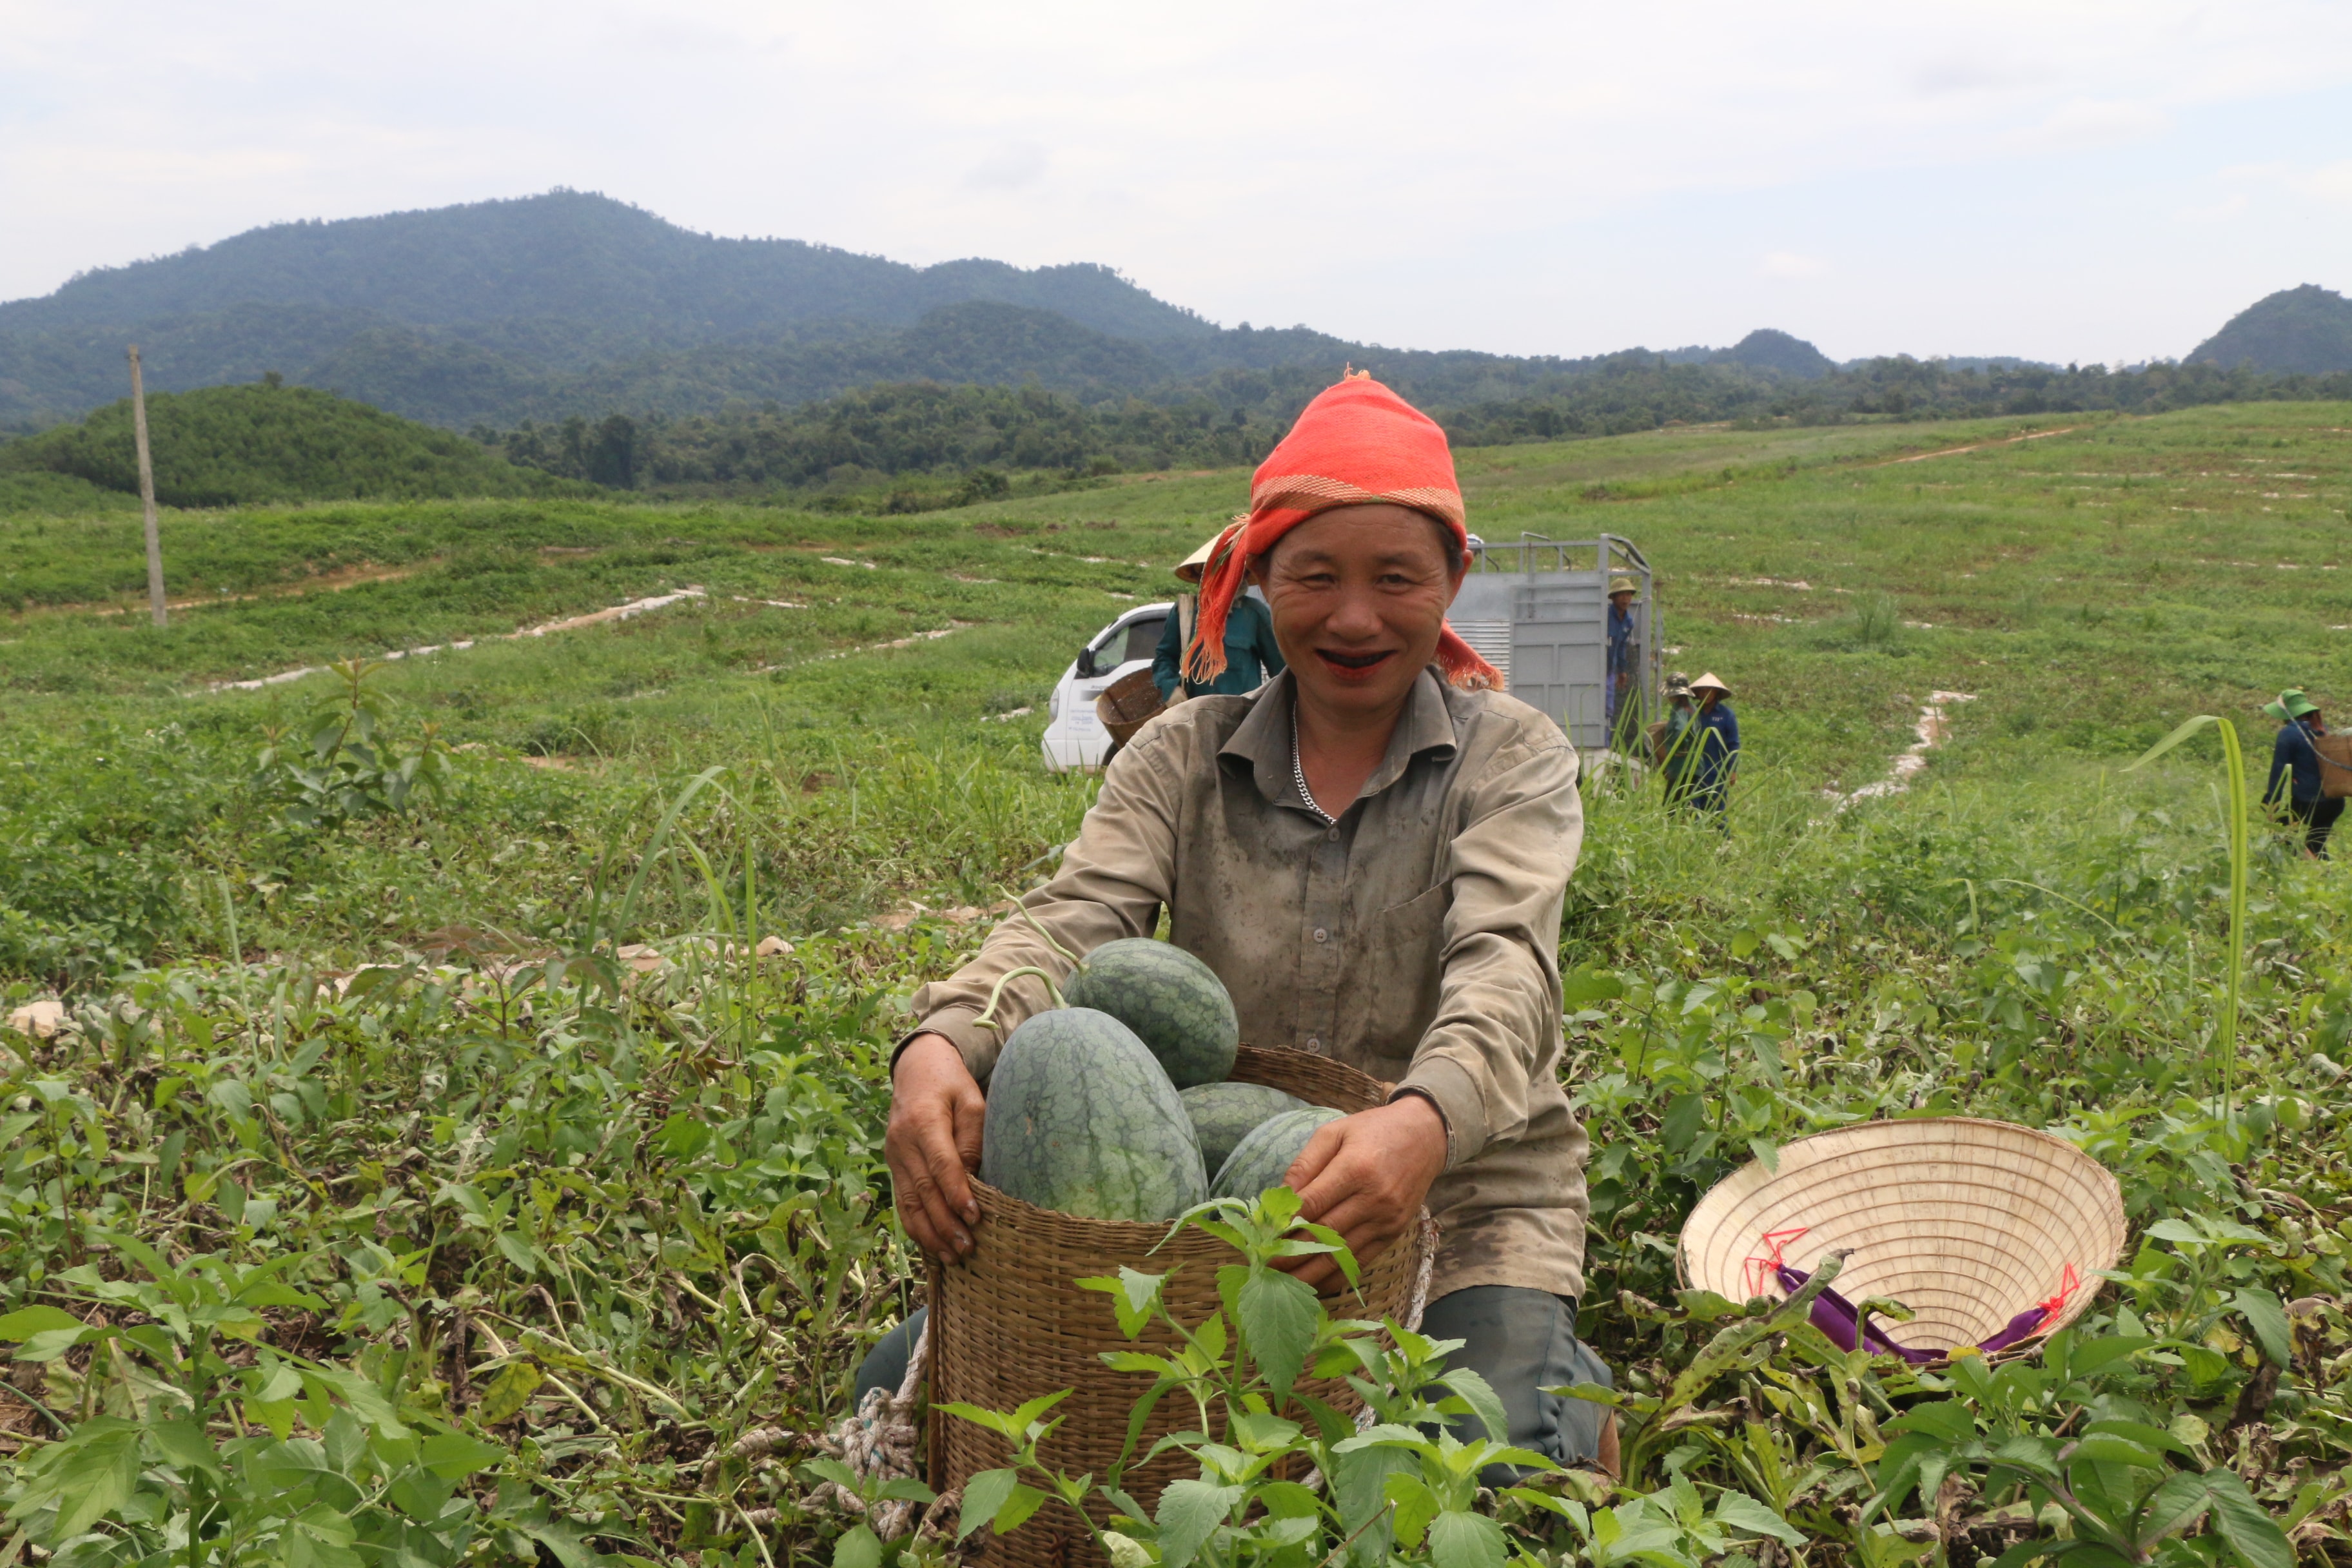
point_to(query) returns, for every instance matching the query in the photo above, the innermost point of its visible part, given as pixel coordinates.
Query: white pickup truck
(1075, 738)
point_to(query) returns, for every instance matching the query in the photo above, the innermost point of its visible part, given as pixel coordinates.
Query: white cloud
(2229, 207)
(1010, 167)
(2091, 122)
(2330, 182)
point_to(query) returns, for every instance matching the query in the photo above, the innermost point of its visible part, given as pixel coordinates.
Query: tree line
(923, 444)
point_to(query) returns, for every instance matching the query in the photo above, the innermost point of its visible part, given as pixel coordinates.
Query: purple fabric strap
(1837, 1318)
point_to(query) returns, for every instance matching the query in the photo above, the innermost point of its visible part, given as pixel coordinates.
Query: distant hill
(226, 446)
(1766, 349)
(2296, 332)
(576, 256)
(571, 304)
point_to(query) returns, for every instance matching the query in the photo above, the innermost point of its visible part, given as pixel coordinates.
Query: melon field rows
(522, 1143)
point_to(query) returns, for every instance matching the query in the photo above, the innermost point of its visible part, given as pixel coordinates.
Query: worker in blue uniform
(2298, 772)
(1704, 783)
(1623, 654)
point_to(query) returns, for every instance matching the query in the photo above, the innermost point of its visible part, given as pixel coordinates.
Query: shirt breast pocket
(1404, 958)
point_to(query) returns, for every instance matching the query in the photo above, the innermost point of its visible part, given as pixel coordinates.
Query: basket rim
(2108, 1189)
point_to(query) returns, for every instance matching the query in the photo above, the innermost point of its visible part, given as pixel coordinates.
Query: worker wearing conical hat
(1253, 657)
(1372, 851)
(1623, 592)
(1704, 783)
(2298, 784)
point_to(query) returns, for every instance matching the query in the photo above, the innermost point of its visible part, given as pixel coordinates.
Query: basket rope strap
(1416, 1304)
(878, 1442)
(1419, 1302)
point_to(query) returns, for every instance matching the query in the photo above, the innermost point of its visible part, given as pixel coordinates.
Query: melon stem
(987, 1019)
(1038, 926)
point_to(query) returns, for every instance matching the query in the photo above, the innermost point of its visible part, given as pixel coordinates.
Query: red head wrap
(1357, 444)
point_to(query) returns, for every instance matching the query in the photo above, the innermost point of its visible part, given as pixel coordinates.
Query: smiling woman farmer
(1372, 851)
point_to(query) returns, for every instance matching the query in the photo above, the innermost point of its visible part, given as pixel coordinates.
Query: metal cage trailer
(1538, 610)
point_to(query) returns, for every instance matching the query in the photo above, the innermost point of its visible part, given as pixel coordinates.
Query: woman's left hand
(1366, 1176)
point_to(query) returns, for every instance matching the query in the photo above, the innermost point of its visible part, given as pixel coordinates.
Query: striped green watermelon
(1264, 1158)
(1173, 1002)
(1082, 1119)
(1225, 1113)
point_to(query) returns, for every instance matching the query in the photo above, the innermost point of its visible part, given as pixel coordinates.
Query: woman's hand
(933, 1144)
(1366, 1176)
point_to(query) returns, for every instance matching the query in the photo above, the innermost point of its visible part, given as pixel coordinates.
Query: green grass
(2026, 932)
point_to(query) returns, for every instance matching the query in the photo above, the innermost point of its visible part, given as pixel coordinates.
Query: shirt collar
(1261, 742)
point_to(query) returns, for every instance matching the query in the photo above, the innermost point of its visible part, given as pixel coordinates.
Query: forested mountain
(2305, 331)
(549, 317)
(572, 304)
(1764, 349)
(574, 257)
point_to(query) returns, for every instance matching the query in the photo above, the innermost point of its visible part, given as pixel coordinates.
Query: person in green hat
(1623, 592)
(2297, 770)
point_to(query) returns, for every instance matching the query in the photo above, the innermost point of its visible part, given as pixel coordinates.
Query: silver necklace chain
(1298, 773)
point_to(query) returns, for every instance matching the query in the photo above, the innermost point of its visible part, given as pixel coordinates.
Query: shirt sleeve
(1492, 1045)
(1111, 883)
(2280, 764)
(1167, 659)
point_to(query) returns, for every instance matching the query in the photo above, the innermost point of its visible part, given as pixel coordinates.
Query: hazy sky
(2061, 179)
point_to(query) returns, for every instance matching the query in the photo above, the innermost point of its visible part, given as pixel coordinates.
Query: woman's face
(1360, 595)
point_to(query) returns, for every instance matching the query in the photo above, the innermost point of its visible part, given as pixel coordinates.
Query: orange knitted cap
(1356, 445)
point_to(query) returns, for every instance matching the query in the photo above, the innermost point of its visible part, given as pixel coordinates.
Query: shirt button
(1314, 1042)
(1322, 935)
(1333, 836)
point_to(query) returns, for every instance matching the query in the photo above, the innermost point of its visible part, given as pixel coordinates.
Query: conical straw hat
(1966, 1222)
(1193, 565)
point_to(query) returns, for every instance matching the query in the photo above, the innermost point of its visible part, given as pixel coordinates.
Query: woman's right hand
(933, 1144)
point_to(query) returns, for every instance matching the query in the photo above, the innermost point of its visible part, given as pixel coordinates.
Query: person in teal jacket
(1250, 656)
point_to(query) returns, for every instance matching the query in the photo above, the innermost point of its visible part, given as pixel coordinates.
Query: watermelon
(1173, 1002)
(1225, 1113)
(1082, 1119)
(1264, 1158)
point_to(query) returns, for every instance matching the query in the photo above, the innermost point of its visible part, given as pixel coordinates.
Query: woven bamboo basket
(1010, 1323)
(2335, 749)
(1966, 1222)
(1129, 703)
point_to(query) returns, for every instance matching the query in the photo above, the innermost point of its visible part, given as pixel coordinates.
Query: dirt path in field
(1980, 446)
(1934, 724)
(333, 582)
(569, 622)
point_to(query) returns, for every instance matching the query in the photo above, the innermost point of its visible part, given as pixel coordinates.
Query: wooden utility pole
(147, 493)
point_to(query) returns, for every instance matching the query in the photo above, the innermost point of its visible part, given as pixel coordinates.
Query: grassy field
(392, 1052)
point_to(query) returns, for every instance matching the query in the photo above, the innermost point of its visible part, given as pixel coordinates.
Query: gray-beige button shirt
(1417, 938)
